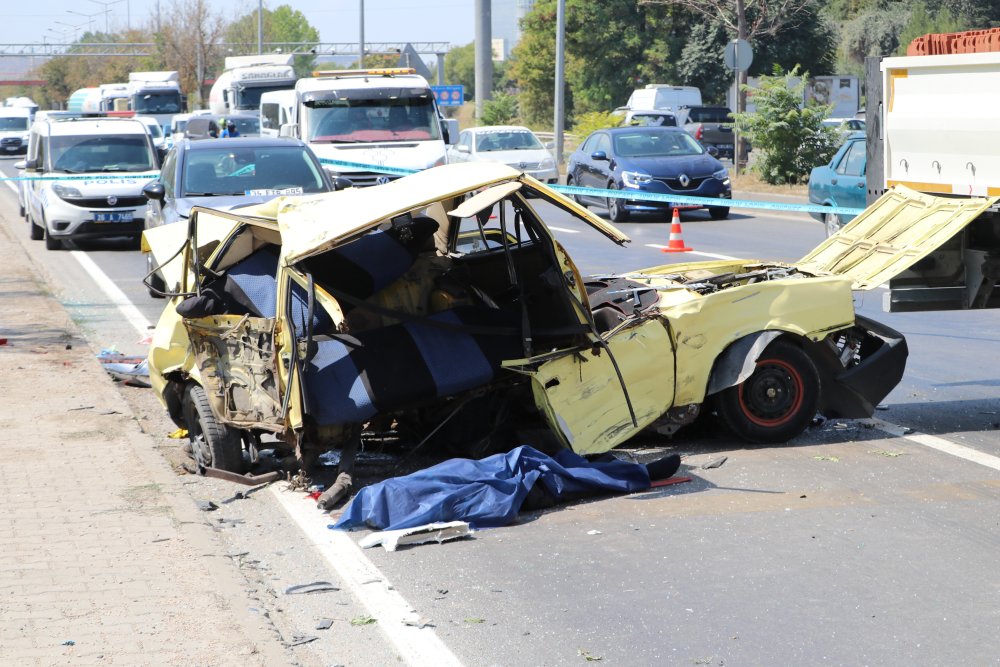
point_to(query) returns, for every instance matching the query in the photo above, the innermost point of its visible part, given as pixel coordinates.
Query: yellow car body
(446, 287)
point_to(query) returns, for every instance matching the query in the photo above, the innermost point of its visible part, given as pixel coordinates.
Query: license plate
(13, 148)
(117, 216)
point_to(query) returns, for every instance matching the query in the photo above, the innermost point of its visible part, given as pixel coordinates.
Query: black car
(227, 173)
(663, 160)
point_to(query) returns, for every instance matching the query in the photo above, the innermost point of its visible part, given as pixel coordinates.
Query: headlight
(722, 174)
(65, 192)
(547, 163)
(634, 179)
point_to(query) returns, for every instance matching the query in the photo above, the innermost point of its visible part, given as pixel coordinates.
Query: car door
(847, 185)
(157, 212)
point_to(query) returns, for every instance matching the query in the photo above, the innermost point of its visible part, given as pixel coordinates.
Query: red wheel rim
(773, 394)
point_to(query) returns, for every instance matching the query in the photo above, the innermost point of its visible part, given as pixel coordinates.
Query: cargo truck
(246, 78)
(382, 117)
(156, 94)
(933, 126)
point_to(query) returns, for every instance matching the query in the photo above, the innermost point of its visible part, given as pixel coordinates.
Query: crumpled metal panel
(238, 369)
(900, 228)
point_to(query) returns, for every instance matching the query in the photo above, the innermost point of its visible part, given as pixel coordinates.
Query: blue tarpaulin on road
(489, 492)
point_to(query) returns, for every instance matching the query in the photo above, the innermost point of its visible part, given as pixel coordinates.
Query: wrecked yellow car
(441, 303)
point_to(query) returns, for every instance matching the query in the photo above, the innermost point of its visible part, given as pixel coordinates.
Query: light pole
(73, 27)
(107, 10)
(89, 17)
(260, 27)
(361, 38)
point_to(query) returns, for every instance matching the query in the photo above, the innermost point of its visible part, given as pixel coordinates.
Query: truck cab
(247, 78)
(384, 117)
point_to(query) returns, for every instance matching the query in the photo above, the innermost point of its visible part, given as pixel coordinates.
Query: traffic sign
(738, 55)
(449, 96)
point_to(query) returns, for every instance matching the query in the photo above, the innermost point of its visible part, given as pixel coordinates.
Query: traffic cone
(676, 243)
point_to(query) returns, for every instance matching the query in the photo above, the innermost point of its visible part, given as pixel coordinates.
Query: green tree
(923, 21)
(790, 139)
(286, 27)
(460, 67)
(701, 62)
(501, 110)
(875, 32)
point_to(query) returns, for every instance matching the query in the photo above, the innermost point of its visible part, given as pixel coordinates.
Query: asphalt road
(849, 546)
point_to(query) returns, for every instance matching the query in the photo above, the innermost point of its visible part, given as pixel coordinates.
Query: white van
(14, 124)
(105, 161)
(664, 96)
(276, 109)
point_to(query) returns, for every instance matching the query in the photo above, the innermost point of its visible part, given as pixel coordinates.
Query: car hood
(183, 205)
(902, 227)
(671, 167)
(515, 158)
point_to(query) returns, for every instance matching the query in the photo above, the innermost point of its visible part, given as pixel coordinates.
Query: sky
(451, 21)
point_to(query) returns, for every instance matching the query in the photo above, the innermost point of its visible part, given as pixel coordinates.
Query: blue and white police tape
(113, 176)
(631, 195)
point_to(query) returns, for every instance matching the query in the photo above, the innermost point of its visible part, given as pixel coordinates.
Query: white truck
(277, 108)
(246, 78)
(662, 96)
(383, 117)
(114, 96)
(933, 126)
(156, 94)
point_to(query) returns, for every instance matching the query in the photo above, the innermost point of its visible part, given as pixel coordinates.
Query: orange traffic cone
(676, 243)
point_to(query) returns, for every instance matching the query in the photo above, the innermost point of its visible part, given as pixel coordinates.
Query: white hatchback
(515, 146)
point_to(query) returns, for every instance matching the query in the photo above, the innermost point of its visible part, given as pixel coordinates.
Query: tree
(189, 39)
(460, 67)
(284, 25)
(501, 110)
(791, 138)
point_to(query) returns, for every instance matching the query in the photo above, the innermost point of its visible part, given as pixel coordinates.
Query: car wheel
(156, 284)
(778, 401)
(37, 232)
(571, 182)
(718, 212)
(832, 223)
(52, 243)
(213, 445)
(21, 208)
(616, 207)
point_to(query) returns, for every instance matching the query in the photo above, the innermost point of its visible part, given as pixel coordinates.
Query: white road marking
(940, 444)
(711, 255)
(112, 291)
(417, 646)
(10, 184)
(564, 230)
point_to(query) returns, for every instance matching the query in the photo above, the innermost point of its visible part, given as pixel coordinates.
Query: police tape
(111, 176)
(632, 195)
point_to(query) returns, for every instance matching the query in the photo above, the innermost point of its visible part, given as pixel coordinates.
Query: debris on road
(324, 623)
(206, 505)
(363, 620)
(298, 640)
(418, 622)
(432, 532)
(593, 532)
(313, 587)
(248, 479)
(832, 459)
(715, 463)
(588, 656)
(886, 453)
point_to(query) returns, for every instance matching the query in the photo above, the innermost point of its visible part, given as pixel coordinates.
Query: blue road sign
(449, 96)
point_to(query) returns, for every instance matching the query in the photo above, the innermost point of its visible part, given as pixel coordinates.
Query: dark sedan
(663, 160)
(226, 173)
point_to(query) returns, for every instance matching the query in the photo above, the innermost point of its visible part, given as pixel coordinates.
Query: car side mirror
(713, 151)
(20, 164)
(462, 148)
(598, 155)
(341, 183)
(27, 165)
(154, 191)
(288, 130)
(450, 127)
(550, 145)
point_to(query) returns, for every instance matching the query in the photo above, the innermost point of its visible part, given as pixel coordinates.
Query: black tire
(616, 208)
(778, 401)
(718, 212)
(832, 223)
(577, 198)
(37, 232)
(214, 445)
(52, 243)
(156, 284)
(20, 207)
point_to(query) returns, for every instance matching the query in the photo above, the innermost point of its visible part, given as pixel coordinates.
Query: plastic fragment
(313, 587)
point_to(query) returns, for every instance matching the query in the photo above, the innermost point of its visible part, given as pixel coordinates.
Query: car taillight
(699, 133)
